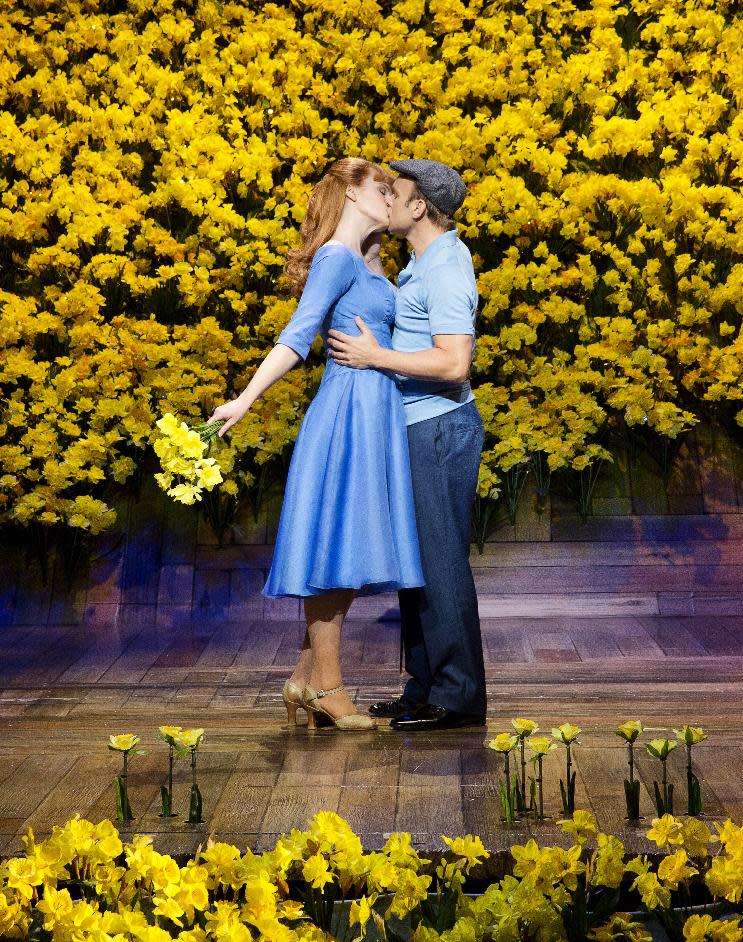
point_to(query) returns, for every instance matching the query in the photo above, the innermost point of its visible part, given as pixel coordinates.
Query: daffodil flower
(630, 730)
(188, 738)
(124, 742)
(690, 735)
(567, 733)
(540, 745)
(660, 748)
(524, 727)
(582, 826)
(168, 733)
(503, 742)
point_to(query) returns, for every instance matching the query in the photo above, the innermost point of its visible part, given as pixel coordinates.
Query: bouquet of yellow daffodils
(183, 453)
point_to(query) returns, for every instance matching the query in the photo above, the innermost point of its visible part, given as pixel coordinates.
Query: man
(432, 347)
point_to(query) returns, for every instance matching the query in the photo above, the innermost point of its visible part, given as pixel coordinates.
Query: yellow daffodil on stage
(567, 733)
(699, 928)
(582, 826)
(660, 748)
(524, 727)
(511, 798)
(549, 888)
(124, 742)
(188, 738)
(541, 745)
(630, 730)
(317, 872)
(690, 735)
(697, 837)
(666, 830)
(504, 742)
(674, 868)
(469, 848)
(361, 911)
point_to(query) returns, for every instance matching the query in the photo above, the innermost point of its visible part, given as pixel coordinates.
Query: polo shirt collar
(439, 243)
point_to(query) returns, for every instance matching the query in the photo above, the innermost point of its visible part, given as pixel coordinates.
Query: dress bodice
(339, 287)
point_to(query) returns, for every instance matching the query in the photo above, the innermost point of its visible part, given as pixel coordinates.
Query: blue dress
(348, 519)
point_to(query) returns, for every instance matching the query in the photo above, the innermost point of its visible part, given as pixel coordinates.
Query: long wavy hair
(324, 213)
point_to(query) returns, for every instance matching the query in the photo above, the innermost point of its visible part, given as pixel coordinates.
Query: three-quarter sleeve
(331, 274)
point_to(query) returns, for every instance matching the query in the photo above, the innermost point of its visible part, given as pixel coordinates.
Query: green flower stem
(539, 786)
(125, 788)
(208, 430)
(523, 773)
(507, 771)
(631, 754)
(567, 780)
(170, 772)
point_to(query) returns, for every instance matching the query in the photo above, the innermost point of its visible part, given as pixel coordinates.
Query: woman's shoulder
(337, 254)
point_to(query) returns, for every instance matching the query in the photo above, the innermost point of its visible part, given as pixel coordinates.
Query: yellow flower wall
(156, 160)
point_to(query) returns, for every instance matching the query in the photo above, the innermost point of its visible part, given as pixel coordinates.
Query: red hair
(324, 211)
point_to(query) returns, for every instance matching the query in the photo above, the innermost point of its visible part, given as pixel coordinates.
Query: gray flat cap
(440, 184)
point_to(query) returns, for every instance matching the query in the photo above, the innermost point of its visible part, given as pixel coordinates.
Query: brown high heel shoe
(292, 697)
(315, 711)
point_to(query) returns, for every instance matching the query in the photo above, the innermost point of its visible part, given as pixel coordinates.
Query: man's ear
(419, 210)
(351, 192)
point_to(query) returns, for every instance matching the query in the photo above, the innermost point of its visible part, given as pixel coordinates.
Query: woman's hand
(232, 411)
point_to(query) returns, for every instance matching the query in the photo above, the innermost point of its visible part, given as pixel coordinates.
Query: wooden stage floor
(64, 689)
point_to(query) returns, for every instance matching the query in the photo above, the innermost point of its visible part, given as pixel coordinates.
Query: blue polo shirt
(436, 295)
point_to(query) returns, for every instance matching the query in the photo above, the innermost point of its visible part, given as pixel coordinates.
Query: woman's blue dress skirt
(348, 518)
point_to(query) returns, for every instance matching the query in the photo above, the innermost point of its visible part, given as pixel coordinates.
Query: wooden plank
(369, 793)
(429, 792)
(180, 527)
(671, 528)
(141, 570)
(621, 579)
(241, 807)
(673, 637)
(578, 605)
(551, 646)
(504, 641)
(33, 598)
(481, 773)
(612, 553)
(292, 806)
(246, 602)
(28, 787)
(176, 584)
(716, 470)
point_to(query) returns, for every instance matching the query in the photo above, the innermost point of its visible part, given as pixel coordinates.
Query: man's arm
(448, 360)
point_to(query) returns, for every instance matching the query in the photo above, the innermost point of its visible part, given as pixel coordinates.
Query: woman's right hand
(231, 411)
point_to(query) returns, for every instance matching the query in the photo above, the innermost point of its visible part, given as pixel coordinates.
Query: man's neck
(422, 236)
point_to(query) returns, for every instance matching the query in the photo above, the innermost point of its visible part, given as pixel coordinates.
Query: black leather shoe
(391, 708)
(431, 716)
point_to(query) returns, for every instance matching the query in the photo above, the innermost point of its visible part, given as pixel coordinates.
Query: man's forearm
(423, 364)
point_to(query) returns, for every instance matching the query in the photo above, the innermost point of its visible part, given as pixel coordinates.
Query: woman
(348, 521)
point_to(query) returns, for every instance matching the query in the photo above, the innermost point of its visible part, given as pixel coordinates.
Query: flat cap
(440, 184)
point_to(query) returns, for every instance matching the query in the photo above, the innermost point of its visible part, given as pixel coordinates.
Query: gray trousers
(440, 622)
